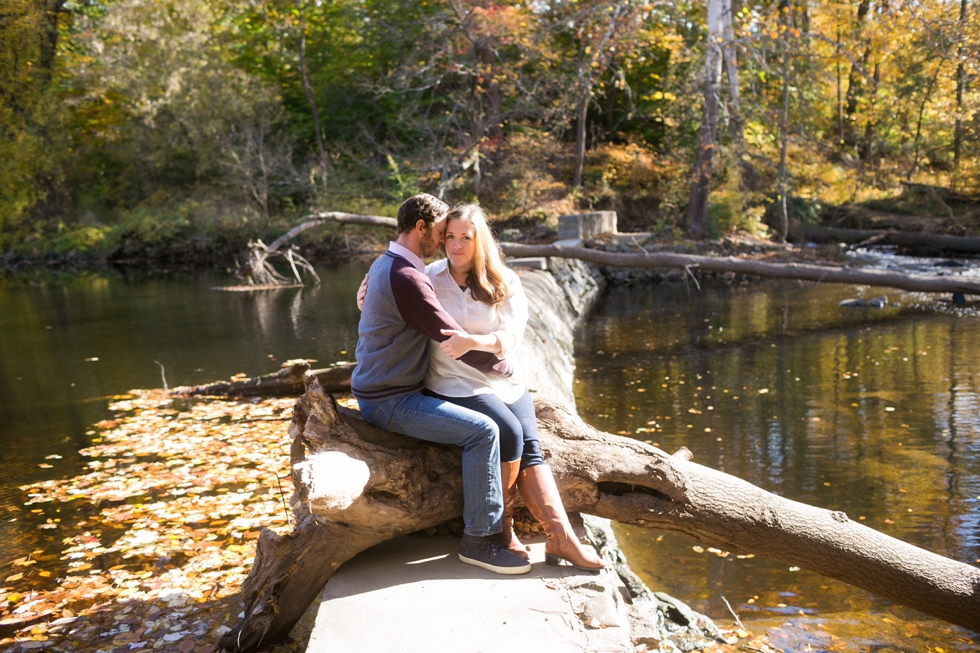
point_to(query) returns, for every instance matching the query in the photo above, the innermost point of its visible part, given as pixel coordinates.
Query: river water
(873, 412)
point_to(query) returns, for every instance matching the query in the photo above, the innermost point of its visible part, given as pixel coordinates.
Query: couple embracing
(432, 363)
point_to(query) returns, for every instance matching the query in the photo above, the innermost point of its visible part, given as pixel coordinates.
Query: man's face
(433, 239)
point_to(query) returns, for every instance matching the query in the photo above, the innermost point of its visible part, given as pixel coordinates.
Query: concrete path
(413, 595)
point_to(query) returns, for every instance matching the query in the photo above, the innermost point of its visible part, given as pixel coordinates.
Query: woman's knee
(484, 430)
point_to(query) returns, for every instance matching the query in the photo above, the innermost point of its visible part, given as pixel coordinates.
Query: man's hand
(459, 343)
(361, 292)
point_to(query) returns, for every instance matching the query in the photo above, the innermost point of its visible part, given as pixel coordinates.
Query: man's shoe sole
(510, 571)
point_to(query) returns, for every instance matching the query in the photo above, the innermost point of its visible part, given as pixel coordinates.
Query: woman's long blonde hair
(486, 279)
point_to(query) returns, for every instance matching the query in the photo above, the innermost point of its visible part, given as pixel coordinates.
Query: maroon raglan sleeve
(417, 303)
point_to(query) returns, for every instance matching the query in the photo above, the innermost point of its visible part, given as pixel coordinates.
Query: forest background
(177, 130)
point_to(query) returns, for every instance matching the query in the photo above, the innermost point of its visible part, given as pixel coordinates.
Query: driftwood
(358, 486)
(952, 244)
(289, 381)
(804, 271)
(256, 269)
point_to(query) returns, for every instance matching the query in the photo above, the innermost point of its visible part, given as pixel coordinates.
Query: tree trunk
(952, 244)
(748, 175)
(310, 99)
(697, 207)
(960, 89)
(582, 112)
(855, 78)
(255, 268)
(783, 227)
(289, 381)
(804, 271)
(358, 486)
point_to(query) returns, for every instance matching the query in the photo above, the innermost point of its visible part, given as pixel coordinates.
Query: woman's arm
(512, 317)
(460, 342)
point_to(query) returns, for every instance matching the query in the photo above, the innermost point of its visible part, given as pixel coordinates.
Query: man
(399, 314)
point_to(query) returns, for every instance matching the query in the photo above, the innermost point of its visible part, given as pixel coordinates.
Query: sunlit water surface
(872, 412)
(869, 412)
(69, 343)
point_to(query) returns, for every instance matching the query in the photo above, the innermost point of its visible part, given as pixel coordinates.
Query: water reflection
(67, 343)
(872, 412)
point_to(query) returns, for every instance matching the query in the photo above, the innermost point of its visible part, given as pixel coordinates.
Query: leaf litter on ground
(158, 535)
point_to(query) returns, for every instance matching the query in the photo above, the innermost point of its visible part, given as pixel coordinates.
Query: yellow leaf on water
(15, 577)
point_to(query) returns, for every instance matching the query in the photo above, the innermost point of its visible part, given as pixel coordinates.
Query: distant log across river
(804, 271)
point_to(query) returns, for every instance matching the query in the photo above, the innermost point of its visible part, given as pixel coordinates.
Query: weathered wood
(318, 219)
(289, 381)
(255, 268)
(357, 486)
(952, 244)
(804, 271)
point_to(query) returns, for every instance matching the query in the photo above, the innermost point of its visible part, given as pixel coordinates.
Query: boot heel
(552, 560)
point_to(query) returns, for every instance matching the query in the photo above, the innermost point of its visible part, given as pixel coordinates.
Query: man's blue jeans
(435, 420)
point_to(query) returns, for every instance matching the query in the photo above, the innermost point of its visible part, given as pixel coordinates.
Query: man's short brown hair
(423, 207)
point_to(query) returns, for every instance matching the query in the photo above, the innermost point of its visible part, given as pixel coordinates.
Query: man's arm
(417, 303)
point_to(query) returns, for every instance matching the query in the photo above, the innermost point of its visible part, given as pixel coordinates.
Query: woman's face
(460, 244)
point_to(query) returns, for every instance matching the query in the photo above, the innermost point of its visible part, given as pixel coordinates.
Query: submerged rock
(875, 302)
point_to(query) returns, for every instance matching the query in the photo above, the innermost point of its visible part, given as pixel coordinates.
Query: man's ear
(420, 225)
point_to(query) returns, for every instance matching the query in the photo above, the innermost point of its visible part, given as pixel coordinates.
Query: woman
(487, 300)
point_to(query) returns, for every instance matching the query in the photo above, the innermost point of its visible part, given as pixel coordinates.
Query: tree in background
(122, 111)
(33, 138)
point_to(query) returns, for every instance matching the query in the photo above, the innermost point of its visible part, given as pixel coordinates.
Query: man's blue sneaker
(489, 553)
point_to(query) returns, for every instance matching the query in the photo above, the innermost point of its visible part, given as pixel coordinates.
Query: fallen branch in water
(289, 381)
(804, 271)
(256, 269)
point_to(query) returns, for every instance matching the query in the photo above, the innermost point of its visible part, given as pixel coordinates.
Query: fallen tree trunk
(255, 268)
(953, 244)
(289, 381)
(804, 271)
(357, 486)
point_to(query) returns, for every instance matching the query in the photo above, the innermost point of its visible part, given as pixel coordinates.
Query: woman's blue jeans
(516, 421)
(435, 420)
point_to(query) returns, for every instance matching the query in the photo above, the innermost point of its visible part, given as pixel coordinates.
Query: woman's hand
(361, 292)
(459, 343)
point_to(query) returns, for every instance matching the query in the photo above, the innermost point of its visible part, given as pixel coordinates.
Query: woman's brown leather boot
(508, 481)
(541, 496)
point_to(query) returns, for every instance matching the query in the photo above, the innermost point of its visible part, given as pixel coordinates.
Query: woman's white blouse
(506, 320)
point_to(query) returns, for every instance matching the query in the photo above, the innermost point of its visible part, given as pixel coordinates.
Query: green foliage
(142, 123)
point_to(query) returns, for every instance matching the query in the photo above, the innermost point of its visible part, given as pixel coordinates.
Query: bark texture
(952, 244)
(697, 207)
(287, 381)
(805, 271)
(358, 486)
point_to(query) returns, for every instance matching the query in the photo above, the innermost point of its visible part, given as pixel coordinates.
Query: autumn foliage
(174, 129)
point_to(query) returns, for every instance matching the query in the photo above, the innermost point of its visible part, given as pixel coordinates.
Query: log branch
(939, 242)
(804, 271)
(289, 381)
(357, 486)
(256, 269)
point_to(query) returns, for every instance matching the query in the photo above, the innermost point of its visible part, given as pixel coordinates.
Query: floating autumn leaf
(158, 532)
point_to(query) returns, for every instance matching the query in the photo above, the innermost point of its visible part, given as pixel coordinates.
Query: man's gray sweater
(400, 312)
